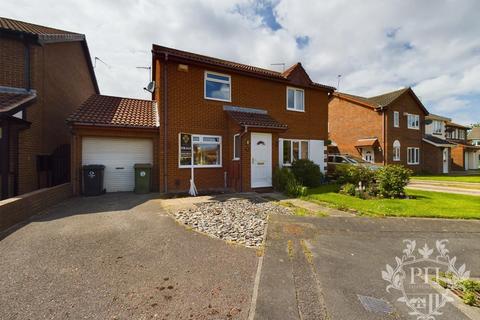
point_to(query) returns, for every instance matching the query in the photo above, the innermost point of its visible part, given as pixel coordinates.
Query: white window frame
(397, 151)
(437, 127)
(295, 108)
(229, 82)
(415, 152)
(283, 164)
(396, 119)
(416, 121)
(235, 146)
(201, 136)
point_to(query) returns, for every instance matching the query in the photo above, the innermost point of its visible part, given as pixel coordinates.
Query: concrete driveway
(321, 268)
(118, 256)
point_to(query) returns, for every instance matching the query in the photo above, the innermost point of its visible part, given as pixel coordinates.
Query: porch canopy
(367, 143)
(253, 118)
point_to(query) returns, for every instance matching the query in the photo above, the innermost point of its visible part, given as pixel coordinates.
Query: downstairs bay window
(206, 151)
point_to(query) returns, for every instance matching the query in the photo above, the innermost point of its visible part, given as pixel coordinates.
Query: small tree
(392, 180)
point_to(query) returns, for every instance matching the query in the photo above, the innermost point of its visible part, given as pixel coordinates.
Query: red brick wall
(349, 122)
(11, 63)
(188, 111)
(433, 159)
(60, 75)
(15, 210)
(407, 137)
(458, 158)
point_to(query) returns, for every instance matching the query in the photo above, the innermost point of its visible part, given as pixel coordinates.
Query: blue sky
(377, 46)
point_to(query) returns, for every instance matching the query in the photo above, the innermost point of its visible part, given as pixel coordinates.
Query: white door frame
(257, 164)
(445, 159)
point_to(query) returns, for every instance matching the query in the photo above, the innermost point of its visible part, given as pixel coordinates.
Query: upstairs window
(396, 119)
(413, 121)
(218, 86)
(295, 99)
(437, 127)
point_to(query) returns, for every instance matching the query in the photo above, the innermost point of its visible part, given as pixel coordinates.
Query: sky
(376, 46)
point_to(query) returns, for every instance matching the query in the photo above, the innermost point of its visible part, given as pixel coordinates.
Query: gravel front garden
(241, 221)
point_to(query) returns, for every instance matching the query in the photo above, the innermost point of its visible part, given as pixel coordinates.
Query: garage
(118, 155)
(118, 133)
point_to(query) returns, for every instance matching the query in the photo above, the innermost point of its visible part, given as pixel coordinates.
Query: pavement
(321, 268)
(119, 256)
(472, 189)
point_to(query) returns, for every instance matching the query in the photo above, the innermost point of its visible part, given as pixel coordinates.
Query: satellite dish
(150, 87)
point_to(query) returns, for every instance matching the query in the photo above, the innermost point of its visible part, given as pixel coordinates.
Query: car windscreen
(356, 160)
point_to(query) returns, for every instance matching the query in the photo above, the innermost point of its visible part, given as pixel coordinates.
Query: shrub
(392, 180)
(348, 189)
(284, 181)
(307, 173)
(469, 298)
(356, 174)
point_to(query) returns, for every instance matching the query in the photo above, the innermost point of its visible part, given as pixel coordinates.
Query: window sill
(236, 159)
(214, 99)
(397, 160)
(413, 164)
(414, 128)
(200, 167)
(295, 110)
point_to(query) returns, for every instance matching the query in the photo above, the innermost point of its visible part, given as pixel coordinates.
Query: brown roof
(456, 125)
(437, 141)
(255, 119)
(474, 134)
(202, 59)
(42, 33)
(116, 112)
(367, 142)
(9, 101)
(383, 100)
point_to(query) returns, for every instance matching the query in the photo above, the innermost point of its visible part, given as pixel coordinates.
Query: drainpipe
(5, 162)
(241, 158)
(165, 126)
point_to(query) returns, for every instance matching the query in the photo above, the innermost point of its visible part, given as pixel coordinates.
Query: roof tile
(116, 112)
(257, 120)
(42, 32)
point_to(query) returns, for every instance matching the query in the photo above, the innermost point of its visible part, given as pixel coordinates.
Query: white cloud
(376, 45)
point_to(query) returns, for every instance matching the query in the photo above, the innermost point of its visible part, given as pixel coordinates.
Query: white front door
(445, 160)
(367, 155)
(261, 160)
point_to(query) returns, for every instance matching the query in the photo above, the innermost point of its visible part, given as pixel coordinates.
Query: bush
(469, 298)
(284, 181)
(392, 180)
(348, 189)
(356, 174)
(307, 173)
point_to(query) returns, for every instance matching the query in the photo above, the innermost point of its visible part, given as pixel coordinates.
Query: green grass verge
(473, 178)
(426, 204)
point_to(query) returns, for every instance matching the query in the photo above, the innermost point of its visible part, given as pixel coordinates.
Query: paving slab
(119, 256)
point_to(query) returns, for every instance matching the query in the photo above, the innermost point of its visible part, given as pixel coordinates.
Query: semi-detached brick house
(240, 122)
(45, 74)
(385, 129)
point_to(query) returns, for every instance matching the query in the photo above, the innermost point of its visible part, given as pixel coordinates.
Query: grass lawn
(473, 178)
(426, 204)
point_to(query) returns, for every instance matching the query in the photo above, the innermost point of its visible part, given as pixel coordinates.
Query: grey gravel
(241, 221)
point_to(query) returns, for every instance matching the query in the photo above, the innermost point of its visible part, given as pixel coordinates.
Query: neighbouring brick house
(233, 122)
(45, 74)
(437, 150)
(465, 156)
(385, 129)
(474, 136)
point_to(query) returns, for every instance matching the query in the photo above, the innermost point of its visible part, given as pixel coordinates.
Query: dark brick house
(385, 129)
(233, 123)
(45, 74)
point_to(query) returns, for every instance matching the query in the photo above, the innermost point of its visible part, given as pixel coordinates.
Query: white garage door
(118, 155)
